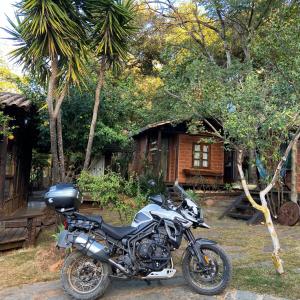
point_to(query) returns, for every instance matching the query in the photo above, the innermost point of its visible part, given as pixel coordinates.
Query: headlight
(181, 220)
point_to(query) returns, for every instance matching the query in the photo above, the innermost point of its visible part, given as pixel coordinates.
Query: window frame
(201, 156)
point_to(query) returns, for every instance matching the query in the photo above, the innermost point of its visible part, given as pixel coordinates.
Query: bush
(114, 192)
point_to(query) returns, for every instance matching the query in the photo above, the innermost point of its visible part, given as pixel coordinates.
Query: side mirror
(152, 183)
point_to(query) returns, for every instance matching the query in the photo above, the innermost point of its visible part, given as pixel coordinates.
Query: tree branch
(282, 161)
(59, 102)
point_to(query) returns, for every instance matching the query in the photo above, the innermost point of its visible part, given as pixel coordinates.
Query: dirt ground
(249, 247)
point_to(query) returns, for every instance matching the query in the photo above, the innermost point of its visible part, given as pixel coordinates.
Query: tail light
(66, 224)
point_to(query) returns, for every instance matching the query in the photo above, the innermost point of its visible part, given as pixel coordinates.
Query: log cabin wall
(17, 170)
(172, 159)
(16, 154)
(139, 155)
(188, 174)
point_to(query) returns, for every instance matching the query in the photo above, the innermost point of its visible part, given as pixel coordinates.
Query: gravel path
(173, 289)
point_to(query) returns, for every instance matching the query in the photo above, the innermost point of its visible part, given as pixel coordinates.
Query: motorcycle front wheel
(83, 277)
(214, 277)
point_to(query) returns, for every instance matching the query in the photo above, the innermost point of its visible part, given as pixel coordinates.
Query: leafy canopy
(111, 22)
(47, 30)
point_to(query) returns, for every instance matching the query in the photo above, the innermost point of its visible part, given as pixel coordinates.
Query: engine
(154, 252)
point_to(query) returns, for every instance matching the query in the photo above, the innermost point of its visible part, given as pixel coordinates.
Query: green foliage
(257, 107)
(228, 187)
(60, 229)
(168, 76)
(192, 195)
(45, 30)
(113, 191)
(39, 162)
(150, 174)
(111, 28)
(121, 112)
(7, 78)
(104, 189)
(5, 124)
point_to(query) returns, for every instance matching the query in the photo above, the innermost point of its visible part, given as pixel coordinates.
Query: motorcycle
(142, 250)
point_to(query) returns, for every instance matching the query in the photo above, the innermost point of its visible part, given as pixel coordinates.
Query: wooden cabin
(16, 151)
(189, 158)
(19, 222)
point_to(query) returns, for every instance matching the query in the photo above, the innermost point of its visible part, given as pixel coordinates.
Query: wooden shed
(189, 158)
(15, 153)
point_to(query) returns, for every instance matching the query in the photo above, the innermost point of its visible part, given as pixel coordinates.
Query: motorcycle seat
(117, 233)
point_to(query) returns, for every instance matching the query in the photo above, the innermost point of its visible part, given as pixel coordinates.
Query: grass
(249, 246)
(31, 264)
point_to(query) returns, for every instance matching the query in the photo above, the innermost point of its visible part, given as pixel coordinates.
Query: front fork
(195, 246)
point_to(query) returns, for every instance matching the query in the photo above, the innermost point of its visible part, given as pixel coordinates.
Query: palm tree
(50, 44)
(111, 22)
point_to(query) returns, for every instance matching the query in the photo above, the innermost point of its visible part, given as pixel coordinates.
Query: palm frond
(47, 29)
(112, 23)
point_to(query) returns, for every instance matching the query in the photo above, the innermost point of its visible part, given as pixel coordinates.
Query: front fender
(195, 249)
(202, 242)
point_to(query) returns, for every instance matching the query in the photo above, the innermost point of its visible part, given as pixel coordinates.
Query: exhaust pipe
(92, 248)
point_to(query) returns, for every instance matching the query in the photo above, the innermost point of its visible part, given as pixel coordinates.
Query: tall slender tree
(112, 29)
(50, 44)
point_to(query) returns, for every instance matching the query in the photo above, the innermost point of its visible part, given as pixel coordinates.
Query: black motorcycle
(142, 250)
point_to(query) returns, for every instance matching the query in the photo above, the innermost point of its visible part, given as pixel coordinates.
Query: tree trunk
(52, 122)
(265, 210)
(60, 148)
(228, 56)
(95, 114)
(247, 53)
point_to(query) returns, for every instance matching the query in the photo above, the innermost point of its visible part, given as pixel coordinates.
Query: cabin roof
(176, 124)
(151, 126)
(12, 99)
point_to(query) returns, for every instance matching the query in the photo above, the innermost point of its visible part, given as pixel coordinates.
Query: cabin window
(201, 155)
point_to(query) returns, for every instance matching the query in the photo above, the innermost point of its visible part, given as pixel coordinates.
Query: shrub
(114, 192)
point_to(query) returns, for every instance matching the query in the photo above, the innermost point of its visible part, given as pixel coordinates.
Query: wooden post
(158, 162)
(294, 194)
(177, 158)
(3, 158)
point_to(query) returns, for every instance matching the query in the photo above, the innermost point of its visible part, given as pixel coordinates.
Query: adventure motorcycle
(142, 250)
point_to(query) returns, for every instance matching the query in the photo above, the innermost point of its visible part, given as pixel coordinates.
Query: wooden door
(164, 157)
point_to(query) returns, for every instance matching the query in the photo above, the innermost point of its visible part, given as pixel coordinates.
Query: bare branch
(173, 95)
(217, 133)
(282, 161)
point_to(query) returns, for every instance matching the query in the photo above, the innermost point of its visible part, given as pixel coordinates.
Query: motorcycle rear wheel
(215, 278)
(83, 277)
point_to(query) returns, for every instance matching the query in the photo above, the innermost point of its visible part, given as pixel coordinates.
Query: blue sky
(7, 9)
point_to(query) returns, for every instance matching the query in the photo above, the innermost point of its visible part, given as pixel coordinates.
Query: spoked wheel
(212, 279)
(84, 278)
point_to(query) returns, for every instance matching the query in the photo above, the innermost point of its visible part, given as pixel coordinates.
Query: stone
(245, 295)
(209, 202)
(268, 297)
